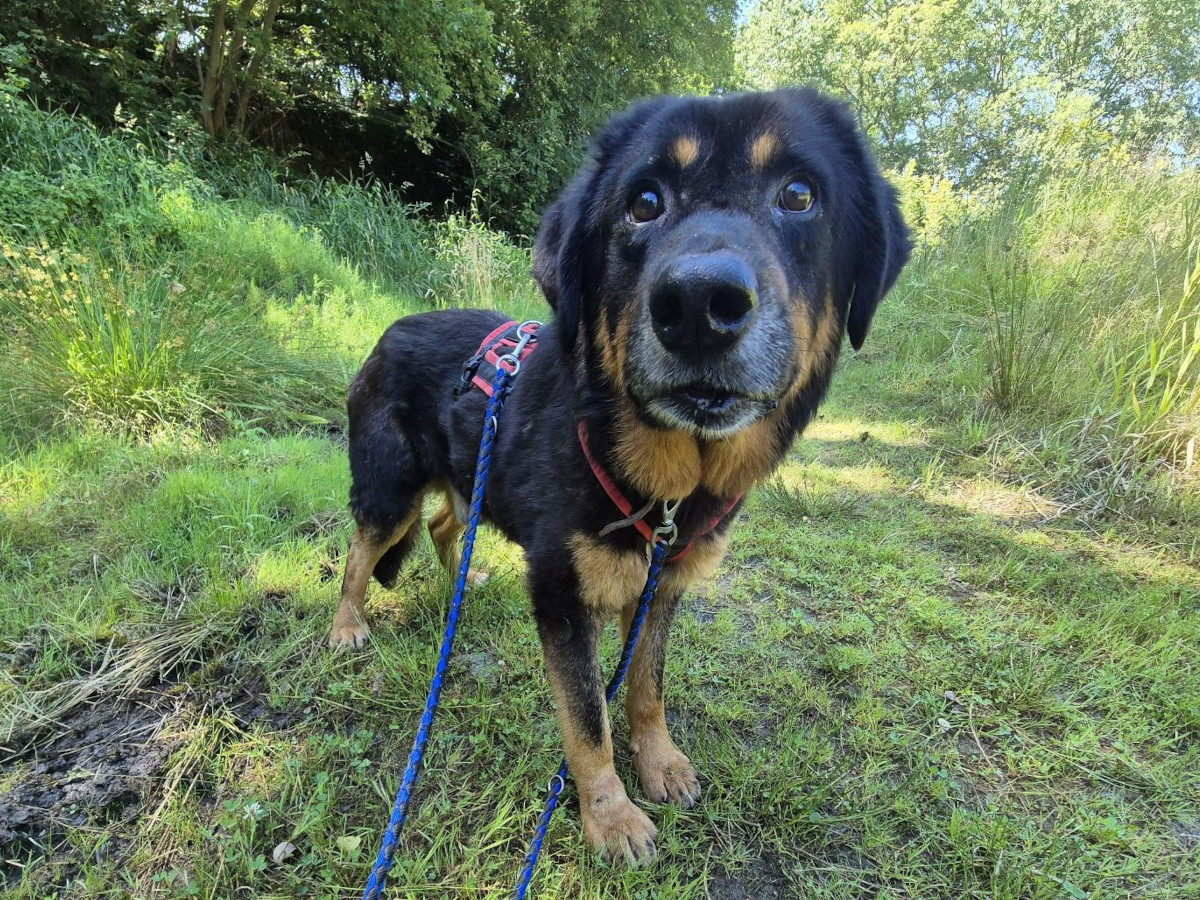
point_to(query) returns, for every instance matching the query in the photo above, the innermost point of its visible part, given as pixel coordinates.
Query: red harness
(501, 342)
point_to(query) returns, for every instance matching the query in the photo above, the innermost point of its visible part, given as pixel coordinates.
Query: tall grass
(477, 266)
(115, 340)
(1069, 317)
(143, 286)
(1156, 381)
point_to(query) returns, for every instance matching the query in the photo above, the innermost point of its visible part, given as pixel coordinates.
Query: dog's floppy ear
(875, 239)
(568, 255)
(884, 248)
(565, 254)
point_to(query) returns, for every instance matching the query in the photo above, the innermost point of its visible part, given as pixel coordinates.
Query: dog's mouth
(710, 411)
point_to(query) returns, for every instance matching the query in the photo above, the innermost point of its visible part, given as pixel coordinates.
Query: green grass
(1063, 329)
(951, 654)
(903, 680)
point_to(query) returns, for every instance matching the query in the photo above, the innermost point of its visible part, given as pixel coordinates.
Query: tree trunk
(249, 85)
(220, 73)
(210, 73)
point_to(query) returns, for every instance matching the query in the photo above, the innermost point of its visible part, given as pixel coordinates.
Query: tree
(498, 94)
(564, 67)
(984, 92)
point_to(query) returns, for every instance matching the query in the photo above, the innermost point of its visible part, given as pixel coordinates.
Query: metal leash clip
(668, 531)
(513, 357)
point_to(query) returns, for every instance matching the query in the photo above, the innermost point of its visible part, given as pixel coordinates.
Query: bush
(145, 286)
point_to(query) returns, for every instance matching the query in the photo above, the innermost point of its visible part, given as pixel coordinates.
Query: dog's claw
(348, 637)
(667, 776)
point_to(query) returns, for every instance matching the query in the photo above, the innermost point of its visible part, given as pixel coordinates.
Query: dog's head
(712, 251)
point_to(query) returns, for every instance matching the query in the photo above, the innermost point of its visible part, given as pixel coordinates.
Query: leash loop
(668, 531)
(632, 519)
(526, 335)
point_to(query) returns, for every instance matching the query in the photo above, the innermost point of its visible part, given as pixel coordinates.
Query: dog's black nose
(702, 304)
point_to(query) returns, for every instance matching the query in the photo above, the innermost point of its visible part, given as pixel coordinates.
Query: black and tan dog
(702, 267)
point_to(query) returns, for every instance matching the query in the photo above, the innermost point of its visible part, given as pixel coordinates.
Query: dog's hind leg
(445, 527)
(368, 548)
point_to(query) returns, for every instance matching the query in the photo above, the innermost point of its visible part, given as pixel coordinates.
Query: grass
(144, 288)
(1064, 325)
(951, 653)
(902, 681)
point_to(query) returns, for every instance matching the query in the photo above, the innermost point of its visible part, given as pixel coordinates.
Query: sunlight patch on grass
(994, 498)
(832, 427)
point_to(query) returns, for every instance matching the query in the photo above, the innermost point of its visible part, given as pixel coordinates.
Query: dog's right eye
(646, 207)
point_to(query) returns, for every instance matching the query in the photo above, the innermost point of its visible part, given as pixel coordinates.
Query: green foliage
(1028, 337)
(59, 174)
(992, 93)
(108, 339)
(1067, 317)
(1155, 381)
(477, 266)
(499, 96)
(136, 297)
(564, 68)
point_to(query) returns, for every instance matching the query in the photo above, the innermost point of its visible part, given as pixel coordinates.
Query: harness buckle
(468, 373)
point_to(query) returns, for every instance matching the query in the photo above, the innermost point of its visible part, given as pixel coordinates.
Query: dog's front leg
(611, 823)
(666, 773)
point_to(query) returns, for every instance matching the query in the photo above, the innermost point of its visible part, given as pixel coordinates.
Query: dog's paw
(477, 577)
(348, 637)
(667, 776)
(618, 830)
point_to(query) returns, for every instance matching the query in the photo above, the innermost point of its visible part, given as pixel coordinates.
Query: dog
(702, 267)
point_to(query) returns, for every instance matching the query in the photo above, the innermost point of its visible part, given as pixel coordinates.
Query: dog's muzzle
(712, 352)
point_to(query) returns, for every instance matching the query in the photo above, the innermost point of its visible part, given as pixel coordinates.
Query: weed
(803, 500)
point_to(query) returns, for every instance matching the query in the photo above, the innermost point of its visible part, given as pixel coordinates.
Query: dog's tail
(388, 567)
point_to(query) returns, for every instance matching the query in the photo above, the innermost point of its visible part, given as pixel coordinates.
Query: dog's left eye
(646, 207)
(796, 196)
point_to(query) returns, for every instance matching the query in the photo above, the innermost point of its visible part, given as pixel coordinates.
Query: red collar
(622, 502)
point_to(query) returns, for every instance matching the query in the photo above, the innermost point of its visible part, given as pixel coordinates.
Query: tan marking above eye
(686, 150)
(763, 150)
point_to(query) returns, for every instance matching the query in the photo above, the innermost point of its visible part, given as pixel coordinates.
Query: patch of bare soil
(101, 767)
(99, 770)
(761, 880)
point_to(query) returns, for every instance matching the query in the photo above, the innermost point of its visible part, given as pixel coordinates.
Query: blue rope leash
(391, 837)
(558, 782)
